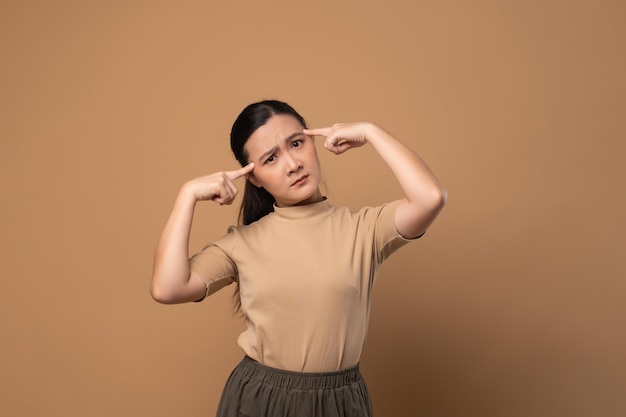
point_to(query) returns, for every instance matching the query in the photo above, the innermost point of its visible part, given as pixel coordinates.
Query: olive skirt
(255, 390)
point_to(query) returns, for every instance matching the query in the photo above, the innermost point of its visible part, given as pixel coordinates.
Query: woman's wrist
(375, 134)
(187, 193)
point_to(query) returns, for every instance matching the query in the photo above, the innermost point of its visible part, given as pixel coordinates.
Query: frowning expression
(285, 161)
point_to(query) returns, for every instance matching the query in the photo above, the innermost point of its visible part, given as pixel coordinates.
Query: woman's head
(253, 117)
(286, 172)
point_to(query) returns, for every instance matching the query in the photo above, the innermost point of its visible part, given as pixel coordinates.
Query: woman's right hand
(219, 187)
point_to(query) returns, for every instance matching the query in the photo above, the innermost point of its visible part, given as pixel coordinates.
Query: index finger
(322, 131)
(237, 173)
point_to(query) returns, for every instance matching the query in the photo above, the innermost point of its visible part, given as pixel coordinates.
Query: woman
(304, 268)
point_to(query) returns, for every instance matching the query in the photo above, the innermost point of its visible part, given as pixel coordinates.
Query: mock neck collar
(304, 211)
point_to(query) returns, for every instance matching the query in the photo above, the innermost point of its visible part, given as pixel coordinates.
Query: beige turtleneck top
(305, 276)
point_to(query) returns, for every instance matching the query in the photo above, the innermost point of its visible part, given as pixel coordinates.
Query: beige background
(512, 305)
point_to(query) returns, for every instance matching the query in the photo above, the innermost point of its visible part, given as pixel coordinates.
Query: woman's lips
(300, 180)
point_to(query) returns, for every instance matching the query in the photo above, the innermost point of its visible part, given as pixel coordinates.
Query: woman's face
(285, 162)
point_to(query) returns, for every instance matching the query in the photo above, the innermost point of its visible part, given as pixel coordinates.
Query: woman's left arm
(424, 195)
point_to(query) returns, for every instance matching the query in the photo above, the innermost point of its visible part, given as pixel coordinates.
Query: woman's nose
(293, 163)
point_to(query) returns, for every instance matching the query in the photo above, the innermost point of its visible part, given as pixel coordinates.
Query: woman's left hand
(424, 196)
(342, 136)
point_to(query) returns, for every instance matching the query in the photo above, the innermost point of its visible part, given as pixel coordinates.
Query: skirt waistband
(299, 380)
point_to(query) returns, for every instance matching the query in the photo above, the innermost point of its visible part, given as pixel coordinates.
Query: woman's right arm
(172, 279)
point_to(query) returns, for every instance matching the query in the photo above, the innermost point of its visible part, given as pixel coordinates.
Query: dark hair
(257, 202)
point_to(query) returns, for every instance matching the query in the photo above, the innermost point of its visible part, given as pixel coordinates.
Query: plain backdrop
(511, 305)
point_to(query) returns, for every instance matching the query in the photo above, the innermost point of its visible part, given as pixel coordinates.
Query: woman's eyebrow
(268, 153)
(275, 148)
(293, 135)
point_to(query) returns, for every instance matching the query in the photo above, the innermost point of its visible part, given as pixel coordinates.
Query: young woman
(303, 268)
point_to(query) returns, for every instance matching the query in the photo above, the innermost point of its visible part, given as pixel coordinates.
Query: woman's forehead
(278, 130)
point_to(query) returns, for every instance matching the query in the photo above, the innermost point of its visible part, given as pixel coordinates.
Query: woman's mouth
(300, 180)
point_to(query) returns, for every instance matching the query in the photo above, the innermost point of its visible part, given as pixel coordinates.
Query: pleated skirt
(256, 390)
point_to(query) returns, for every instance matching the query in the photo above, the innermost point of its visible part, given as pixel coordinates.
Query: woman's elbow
(165, 292)
(437, 199)
(443, 197)
(162, 294)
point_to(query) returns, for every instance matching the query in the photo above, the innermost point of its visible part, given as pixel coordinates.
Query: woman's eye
(270, 159)
(296, 143)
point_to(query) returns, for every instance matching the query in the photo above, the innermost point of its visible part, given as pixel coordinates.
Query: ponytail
(257, 202)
